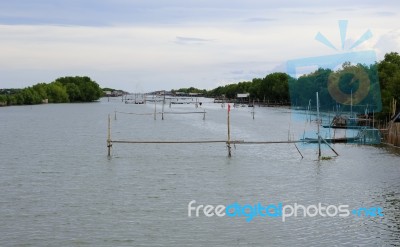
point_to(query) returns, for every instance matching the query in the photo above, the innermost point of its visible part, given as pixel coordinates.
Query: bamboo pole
(155, 108)
(330, 146)
(298, 150)
(319, 136)
(204, 141)
(229, 133)
(109, 144)
(162, 115)
(253, 109)
(170, 142)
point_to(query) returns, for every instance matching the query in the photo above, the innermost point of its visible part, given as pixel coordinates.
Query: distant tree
(389, 78)
(73, 91)
(57, 93)
(3, 99)
(85, 90)
(41, 89)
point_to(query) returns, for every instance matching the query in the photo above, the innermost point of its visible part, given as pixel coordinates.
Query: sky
(147, 45)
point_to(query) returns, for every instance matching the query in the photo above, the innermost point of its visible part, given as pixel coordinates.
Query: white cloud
(176, 43)
(389, 42)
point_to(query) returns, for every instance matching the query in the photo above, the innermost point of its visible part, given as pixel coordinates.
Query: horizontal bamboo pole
(168, 142)
(133, 113)
(210, 141)
(264, 142)
(194, 112)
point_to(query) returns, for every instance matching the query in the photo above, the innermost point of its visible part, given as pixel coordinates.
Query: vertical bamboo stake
(162, 114)
(373, 123)
(319, 137)
(229, 132)
(115, 115)
(155, 108)
(351, 104)
(204, 115)
(253, 109)
(109, 145)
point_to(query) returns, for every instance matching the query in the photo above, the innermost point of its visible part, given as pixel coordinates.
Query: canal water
(59, 188)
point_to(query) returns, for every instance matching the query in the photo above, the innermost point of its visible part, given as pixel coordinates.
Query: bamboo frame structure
(228, 142)
(160, 113)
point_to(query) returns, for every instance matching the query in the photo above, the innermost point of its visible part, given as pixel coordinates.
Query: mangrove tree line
(62, 90)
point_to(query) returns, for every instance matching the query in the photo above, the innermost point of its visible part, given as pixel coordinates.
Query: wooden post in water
(253, 109)
(318, 121)
(155, 108)
(229, 132)
(204, 115)
(109, 145)
(115, 115)
(162, 114)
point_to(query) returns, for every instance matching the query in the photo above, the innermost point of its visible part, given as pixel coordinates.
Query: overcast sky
(147, 45)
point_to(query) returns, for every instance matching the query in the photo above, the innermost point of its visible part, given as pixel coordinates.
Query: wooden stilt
(253, 110)
(318, 123)
(162, 114)
(229, 133)
(298, 151)
(330, 146)
(109, 144)
(155, 108)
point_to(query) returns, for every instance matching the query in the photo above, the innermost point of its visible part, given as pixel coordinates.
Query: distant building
(118, 93)
(181, 94)
(195, 94)
(115, 93)
(242, 95)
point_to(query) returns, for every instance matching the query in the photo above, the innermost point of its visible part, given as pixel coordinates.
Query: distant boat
(333, 140)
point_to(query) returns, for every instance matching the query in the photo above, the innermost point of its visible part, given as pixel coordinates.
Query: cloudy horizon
(141, 46)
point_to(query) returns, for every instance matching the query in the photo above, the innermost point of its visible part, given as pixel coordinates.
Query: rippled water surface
(58, 188)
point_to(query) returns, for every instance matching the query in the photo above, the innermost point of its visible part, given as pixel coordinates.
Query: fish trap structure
(228, 142)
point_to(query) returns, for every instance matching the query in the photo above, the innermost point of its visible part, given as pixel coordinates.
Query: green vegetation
(389, 79)
(62, 90)
(384, 86)
(352, 84)
(190, 90)
(273, 87)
